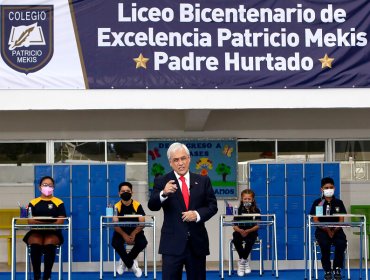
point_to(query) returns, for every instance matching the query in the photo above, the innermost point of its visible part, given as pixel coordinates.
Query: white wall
(182, 99)
(145, 124)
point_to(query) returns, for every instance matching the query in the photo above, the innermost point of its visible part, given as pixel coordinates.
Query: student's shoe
(136, 269)
(337, 274)
(121, 267)
(328, 275)
(247, 267)
(241, 267)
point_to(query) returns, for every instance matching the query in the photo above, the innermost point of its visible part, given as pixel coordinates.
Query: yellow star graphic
(141, 61)
(326, 61)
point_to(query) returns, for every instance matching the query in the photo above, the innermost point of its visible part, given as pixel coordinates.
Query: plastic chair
(128, 248)
(316, 251)
(255, 248)
(28, 257)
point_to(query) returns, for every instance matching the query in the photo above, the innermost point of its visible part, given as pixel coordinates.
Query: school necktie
(185, 191)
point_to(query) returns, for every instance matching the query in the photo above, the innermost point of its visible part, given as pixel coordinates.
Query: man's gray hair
(175, 147)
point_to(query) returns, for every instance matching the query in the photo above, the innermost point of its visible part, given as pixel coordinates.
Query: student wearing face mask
(45, 241)
(246, 232)
(128, 235)
(327, 236)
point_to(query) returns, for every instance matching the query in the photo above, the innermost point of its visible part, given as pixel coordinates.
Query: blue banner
(214, 158)
(210, 44)
(224, 44)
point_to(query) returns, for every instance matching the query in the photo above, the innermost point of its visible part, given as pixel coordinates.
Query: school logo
(27, 43)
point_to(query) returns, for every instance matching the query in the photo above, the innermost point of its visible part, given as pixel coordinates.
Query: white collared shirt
(187, 180)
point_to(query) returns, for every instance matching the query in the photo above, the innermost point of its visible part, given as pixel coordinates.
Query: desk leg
(361, 246)
(221, 248)
(69, 249)
(13, 252)
(366, 252)
(305, 253)
(101, 250)
(276, 256)
(309, 251)
(154, 252)
(272, 249)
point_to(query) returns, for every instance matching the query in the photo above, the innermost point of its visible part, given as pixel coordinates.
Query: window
(301, 151)
(354, 150)
(256, 150)
(19, 153)
(126, 151)
(79, 151)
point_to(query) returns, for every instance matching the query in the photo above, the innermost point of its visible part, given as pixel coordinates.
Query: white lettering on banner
(26, 59)
(26, 56)
(145, 14)
(252, 39)
(330, 15)
(190, 62)
(235, 62)
(27, 15)
(340, 38)
(196, 13)
(26, 52)
(108, 38)
(103, 37)
(227, 39)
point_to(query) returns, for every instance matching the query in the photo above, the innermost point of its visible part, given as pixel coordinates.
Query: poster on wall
(99, 44)
(214, 158)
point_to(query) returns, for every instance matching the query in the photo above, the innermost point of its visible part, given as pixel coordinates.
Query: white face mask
(247, 204)
(328, 192)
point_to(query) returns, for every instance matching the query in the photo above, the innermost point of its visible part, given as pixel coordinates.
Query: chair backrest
(362, 210)
(6, 216)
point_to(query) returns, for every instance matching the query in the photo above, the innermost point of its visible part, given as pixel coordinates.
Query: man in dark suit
(188, 201)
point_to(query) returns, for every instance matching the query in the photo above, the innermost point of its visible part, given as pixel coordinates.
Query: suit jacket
(176, 234)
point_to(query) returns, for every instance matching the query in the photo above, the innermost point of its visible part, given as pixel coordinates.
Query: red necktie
(185, 191)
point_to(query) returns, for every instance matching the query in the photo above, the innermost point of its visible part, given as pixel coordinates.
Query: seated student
(45, 241)
(128, 235)
(245, 232)
(327, 236)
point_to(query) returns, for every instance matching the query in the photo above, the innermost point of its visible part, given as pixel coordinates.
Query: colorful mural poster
(214, 158)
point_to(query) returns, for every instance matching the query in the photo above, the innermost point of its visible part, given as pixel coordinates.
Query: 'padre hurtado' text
(233, 62)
